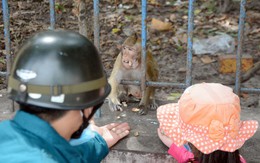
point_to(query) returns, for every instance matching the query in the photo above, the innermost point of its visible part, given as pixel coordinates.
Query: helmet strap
(85, 122)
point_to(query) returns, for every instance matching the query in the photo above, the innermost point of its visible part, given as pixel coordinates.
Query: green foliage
(129, 18)
(2, 60)
(210, 6)
(59, 8)
(179, 48)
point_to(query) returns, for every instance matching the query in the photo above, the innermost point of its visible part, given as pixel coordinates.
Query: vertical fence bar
(52, 14)
(239, 46)
(96, 24)
(189, 46)
(96, 37)
(6, 18)
(7, 37)
(143, 65)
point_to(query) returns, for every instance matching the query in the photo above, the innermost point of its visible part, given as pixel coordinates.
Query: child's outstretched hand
(113, 132)
(166, 140)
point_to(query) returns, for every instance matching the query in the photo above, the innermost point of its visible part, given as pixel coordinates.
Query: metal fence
(143, 83)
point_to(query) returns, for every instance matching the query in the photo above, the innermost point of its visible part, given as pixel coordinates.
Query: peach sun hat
(208, 116)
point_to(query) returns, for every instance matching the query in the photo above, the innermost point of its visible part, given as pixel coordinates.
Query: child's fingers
(117, 126)
(111, 126)
(123, 134)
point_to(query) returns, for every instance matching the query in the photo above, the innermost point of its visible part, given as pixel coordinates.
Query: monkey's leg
(114, 80)
(152, 103)
(113, 101)
(144, 102)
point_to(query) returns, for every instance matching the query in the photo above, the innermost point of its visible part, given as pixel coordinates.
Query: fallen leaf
(183, 37)
(182, 69)
(197, 11)
(173, 17)
(255, 31)
(206, 59)
(160, 26)
(115, 30)
(195, 59)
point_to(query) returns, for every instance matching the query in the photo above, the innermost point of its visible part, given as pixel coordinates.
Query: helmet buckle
(23, 92)
(56, 90)
(22, 87)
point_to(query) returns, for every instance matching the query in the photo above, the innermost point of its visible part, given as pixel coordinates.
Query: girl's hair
(216, 156)
(46, 114)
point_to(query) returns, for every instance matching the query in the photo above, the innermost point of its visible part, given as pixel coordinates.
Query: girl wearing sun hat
(205, 126)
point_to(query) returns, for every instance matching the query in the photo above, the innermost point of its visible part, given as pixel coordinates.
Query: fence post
(189, 46)
(6, 18)
(7, 37)
(239, 46)
(96, 38)
(52, 14)
(96, 24)
(144, 32)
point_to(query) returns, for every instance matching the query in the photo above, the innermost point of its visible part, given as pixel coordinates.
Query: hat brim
(180, 133)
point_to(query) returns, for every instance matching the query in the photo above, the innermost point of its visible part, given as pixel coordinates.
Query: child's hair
(217, 156)
(43, 113)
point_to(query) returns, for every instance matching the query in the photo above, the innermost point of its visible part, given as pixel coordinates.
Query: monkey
(131, 93)
(134, 91)
(128, 67)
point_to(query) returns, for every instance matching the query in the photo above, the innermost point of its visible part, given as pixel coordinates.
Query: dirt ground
(118, 21)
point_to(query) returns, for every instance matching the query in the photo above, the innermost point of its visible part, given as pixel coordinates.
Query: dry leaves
(160, 25)
(206, 59)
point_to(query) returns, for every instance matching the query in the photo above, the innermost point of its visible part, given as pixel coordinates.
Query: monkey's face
(130, 57)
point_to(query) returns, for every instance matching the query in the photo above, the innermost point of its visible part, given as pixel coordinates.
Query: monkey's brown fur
(132, 47)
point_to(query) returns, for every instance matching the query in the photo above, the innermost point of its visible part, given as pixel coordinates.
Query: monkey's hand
(143, 110)
(114, 104)
(153, 105)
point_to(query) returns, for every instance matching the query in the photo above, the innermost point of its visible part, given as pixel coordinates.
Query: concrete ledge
(251, 149)
(142, 145)
(117, 156)
(147, 147)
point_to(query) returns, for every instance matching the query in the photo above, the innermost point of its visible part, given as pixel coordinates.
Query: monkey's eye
(126, 61)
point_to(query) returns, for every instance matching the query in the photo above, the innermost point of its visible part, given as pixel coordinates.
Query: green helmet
(58, 70)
